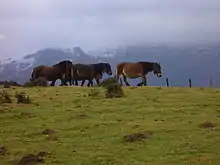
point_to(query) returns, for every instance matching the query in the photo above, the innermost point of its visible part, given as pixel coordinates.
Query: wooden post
(167, 81)
(190, 82)
(210, 82)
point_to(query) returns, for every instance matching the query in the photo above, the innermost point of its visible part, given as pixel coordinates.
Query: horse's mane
(62, 63)
(148, 66)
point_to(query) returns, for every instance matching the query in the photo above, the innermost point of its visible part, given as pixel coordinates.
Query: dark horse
(137, 69)
(52, 73)
(83, 72)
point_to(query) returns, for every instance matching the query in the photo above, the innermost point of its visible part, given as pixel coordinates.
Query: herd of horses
(71, 73)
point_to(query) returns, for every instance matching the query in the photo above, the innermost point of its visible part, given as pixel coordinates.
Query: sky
(29, 25)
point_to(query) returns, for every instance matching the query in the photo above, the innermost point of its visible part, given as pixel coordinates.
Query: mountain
(179, 63)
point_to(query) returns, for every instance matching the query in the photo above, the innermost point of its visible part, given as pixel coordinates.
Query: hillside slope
(179, 63)
(79, 129)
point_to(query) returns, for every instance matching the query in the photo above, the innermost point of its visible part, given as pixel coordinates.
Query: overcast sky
(29, 25)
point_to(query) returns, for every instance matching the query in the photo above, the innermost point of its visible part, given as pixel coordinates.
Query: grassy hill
(176, 125)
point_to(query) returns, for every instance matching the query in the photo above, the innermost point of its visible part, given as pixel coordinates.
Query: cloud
(2, 36)
(35, 24)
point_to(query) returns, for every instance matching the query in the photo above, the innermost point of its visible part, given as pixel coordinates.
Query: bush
(113, 90)
(22, 98)
(37, 82)
(5, 97)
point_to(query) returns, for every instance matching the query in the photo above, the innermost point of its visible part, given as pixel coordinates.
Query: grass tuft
(37, 82)
(22, 98)
(5, 97)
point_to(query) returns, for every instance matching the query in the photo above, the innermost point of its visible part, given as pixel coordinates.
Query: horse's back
(37, 70)
(83, 70)
(121, 66)
(130, 69)
(44, 71)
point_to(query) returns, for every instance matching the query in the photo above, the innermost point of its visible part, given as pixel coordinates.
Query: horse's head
(157, 69)
(107, 68)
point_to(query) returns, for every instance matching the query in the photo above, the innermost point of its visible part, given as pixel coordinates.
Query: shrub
(113, 90)
(5, 97)
(22, 98)
(37, 82)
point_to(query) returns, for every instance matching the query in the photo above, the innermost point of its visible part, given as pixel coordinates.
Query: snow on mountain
(105, 53)
(24, 63)
(5, 61)
(20, 69)
(19, 64)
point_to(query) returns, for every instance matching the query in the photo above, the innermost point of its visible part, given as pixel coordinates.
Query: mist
(27, 26)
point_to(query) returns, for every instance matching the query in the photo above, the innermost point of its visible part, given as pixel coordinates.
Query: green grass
(90, 130)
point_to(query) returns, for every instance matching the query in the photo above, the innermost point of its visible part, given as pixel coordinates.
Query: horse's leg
(140, 83)
(97, 80)
(70, 81)
(63, 82)
(53, 83)
(144, 80)
(90, 83)
(125, 80)
(83, 81)
(76, 83)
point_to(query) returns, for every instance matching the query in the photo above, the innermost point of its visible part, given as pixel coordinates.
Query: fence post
(210, 82)
(190, 82)
(167, 82)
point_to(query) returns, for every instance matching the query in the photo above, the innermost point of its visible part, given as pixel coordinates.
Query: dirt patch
(207, 124)
(3, 150)
(32, 159)
(37, 104)
(26, 115)
(50, 134)
(81, 116)
(137, 137)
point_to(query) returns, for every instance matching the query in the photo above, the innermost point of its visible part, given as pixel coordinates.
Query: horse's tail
(72, 73)
(119, 70)
(33, 75)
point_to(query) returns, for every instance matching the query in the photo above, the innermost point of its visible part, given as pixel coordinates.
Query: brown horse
(83, 72)
(137, 69)
(52, 73)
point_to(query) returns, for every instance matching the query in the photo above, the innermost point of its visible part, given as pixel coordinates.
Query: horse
(137, 69)
(52, 73)
(83, 72)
